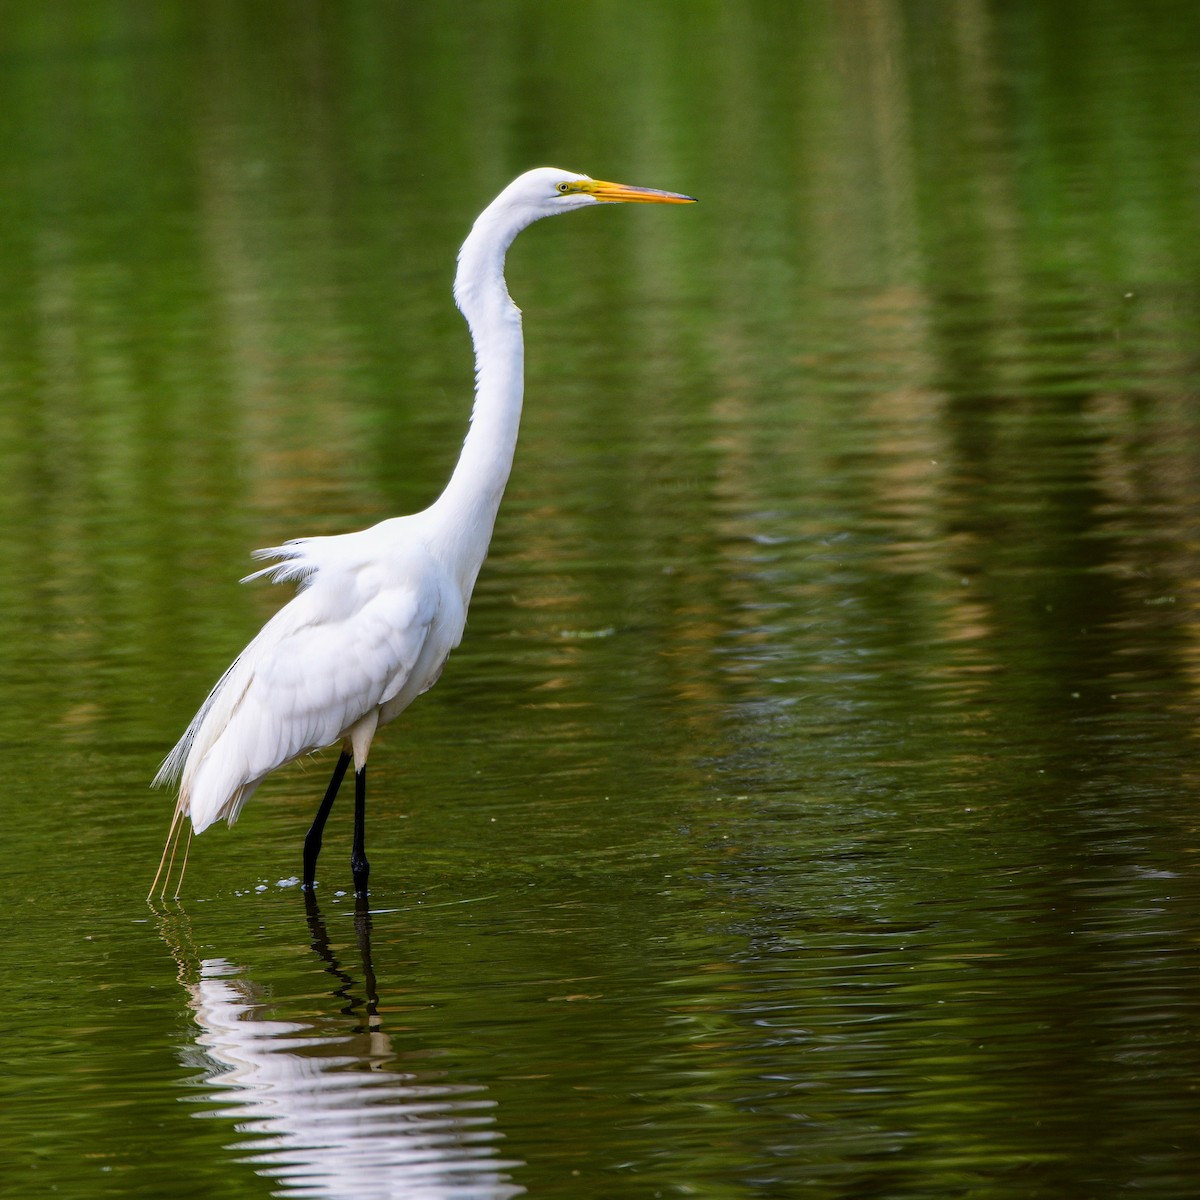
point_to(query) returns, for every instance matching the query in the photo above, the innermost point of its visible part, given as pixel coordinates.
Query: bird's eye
(563, 188)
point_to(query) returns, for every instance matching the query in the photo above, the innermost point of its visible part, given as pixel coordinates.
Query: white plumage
(361, 635)
(378, 611)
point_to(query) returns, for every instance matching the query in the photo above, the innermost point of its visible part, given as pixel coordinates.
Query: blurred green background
(811, 807)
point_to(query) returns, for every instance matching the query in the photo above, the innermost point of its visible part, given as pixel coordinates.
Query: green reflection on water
(811, 805)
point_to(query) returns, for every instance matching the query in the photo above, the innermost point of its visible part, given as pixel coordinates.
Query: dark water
(811, 809)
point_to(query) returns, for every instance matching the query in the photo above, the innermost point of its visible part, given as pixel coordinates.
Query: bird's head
(545, 191)
(542, 192)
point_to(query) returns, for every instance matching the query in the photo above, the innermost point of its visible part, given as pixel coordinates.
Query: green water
(811, 808)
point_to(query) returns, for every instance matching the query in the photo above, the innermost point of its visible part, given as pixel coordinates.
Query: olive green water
(811, 809)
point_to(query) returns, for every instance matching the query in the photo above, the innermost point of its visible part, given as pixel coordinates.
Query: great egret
(378, 611)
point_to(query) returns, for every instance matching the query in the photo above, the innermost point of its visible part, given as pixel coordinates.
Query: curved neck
(466, 511)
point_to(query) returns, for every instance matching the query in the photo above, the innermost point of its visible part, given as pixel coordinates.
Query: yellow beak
(621, 193)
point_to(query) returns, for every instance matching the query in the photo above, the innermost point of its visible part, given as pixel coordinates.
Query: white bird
(378, 611)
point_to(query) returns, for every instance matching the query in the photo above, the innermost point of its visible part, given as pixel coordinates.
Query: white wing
(352, 638)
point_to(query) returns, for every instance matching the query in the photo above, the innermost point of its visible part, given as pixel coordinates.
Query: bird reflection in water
(329, 1113)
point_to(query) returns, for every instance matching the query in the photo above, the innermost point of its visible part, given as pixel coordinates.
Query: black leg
(312, 840)
(359, 867)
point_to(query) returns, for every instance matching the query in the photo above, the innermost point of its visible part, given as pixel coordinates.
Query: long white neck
(465, 513)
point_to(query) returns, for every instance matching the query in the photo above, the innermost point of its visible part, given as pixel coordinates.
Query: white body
(376, 617)
(378, 611)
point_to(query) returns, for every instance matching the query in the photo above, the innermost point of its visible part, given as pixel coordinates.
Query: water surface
(810, 809)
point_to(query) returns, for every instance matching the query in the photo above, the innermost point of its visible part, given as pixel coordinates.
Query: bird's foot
(360, 869)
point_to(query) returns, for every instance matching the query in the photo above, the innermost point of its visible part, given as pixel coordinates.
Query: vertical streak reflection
(327, 1112)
